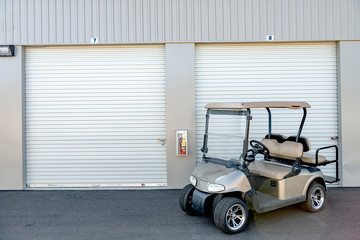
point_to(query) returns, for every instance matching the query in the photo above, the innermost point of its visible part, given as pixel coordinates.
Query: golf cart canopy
(247, 105)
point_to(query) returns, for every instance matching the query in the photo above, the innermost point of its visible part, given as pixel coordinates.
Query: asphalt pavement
(155, 214)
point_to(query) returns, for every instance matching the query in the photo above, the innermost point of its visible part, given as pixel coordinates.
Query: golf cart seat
(291, 150)
(271, 170)
(310, 158)
(287, 150)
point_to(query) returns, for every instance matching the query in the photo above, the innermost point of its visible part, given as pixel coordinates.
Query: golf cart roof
(269, 104)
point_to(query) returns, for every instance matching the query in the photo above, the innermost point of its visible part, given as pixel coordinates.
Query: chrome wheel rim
(317, 197)
(235, 217)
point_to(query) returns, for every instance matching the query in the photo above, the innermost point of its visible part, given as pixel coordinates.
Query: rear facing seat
(311, 158)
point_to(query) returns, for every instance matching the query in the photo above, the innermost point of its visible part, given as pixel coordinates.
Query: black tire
(185, 199)
(231, 215)
(315, 198)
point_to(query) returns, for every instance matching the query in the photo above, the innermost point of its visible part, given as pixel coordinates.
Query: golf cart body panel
(286, 175)
(284, 188)
(281, 192)
(231, 178)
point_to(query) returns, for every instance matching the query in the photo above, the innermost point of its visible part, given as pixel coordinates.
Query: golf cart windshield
(226, 134)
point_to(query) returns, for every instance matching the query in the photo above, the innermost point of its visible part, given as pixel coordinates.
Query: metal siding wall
(143, 21)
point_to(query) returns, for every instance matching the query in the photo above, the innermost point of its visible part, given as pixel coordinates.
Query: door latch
(162, 141)
(333, 138)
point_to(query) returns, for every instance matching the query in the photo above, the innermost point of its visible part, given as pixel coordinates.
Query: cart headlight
(215, 188)
(193, 180)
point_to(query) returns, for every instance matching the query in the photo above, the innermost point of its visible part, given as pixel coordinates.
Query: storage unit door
(94, 116)
(270, 72)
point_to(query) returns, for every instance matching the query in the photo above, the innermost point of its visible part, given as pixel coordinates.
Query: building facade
(97, 89)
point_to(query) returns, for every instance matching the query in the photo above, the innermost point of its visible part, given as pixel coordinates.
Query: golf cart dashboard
(232, 163)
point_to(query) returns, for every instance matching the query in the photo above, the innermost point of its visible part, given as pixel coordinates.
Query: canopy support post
(269, 112)
(301, 125)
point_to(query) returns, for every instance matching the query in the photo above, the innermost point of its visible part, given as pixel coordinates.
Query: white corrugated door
(93, 116)
(266, 72)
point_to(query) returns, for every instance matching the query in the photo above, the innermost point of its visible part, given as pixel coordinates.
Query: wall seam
(23, 114)
(338, 73)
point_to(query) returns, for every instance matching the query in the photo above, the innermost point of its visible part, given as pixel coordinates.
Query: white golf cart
(286, 174)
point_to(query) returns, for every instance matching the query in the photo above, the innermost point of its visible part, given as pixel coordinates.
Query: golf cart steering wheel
(259, 147)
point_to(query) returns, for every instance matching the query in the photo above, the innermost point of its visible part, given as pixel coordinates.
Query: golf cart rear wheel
(315, 198)
(231, 215)
(185, 199)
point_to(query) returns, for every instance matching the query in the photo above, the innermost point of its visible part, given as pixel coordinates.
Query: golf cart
(275, 172)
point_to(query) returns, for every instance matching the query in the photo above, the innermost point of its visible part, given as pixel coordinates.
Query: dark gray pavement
(155, 214)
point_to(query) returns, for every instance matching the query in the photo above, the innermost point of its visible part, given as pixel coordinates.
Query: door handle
(162, 141)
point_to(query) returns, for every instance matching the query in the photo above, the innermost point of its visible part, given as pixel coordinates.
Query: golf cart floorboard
(269, 203)
(329, 179)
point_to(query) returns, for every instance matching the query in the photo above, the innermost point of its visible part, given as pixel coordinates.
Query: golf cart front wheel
(185, 199)
(231, 215)
(315, 198)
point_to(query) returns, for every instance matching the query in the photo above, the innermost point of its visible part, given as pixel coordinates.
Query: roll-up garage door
(267, 72)
(94, 116)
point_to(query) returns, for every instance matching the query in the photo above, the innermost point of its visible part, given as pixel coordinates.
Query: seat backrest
(281, 138)
(303, 140)
(288, 149)
(278, 137)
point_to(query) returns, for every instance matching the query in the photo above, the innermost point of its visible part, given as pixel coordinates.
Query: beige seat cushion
(310, 158)
(287, 149)
(269, 169)
(290, 150)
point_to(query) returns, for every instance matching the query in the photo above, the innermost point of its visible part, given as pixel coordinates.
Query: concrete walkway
(155, 214)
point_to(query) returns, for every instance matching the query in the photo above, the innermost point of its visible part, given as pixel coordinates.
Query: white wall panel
(93, 116)
(270, 72)
(159, 21)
